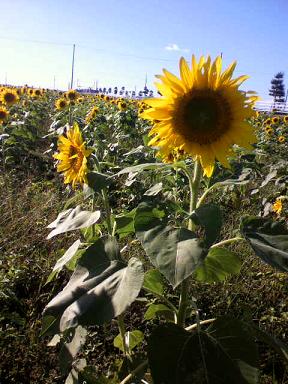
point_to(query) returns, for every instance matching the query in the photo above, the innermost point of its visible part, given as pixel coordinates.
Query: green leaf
(66, 258)
(73, 377)
(220, 356)
(218, 264)
(153, 191)
(210, 217)
(125, 224)
(158, 309)
(143, 167)
(71, 348)
(175, 252)
(71, 220)
(237, 341)
(101, 288)
(268, 239)
(153, 281)
(132, 339)
(98, 181)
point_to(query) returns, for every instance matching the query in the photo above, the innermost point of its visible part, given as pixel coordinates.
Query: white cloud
(175, 47)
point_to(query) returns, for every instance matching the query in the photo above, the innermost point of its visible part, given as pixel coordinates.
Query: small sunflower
(204, 113)
(268, 121)
(285, 119)
(9, 97)
(275, 120)
(37, 93)
(72, 157)
(281, 139)
(269, 131)
(61, 104)
(72, 95)
(91, 115)
(277, 207)
(122, 105)
(175, 154)
(3, 114)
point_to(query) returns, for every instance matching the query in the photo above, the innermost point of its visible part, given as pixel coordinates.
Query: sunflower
(72, 157)
(269, 130)
(281, 139)
(61, 104)
(203, 113)
(122, 105)
(72, 95)
(37, 93)
(277, 207)
(3, 114)
(91, 115)
(267, 121)
(275, 120)
(285, 119)
(9, 96)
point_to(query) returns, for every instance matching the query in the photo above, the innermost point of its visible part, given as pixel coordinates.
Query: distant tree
(115, 90)
(277, 89)
(109, 90)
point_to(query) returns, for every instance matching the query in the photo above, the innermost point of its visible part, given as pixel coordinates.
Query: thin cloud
(175, 47)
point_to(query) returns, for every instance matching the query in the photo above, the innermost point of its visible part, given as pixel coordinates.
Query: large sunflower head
(3, 114)
(72, 157)
(9, 96)
(61, 104)
(203, 112)
(72, 95)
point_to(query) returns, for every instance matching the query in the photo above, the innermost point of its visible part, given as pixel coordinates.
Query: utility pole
(72, 74)
(54, 82)
(6, 78)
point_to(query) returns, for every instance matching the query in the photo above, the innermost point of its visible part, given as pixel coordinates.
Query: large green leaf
(153, 281)
(72, 219)
(125, 224)
(97, 181)
(218, 264)
(208, 216)
(101, 288)
(176, 252)
(268, 239)
(237, 341)
(177, 356)
(71, 348)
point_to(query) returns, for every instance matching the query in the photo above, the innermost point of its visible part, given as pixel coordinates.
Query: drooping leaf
(71, 348)
(71, 220)
(209, 216)
(175, 252)
(218, 264)
(101, 288)
(73, 377)
(143, 167)
(132, 339)
(177, 356)
(97, 181)
(268, 239)
(153, 191)
(68, 255)
(237, 341)
(153, 281)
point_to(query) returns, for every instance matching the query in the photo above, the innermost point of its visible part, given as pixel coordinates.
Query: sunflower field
(144, 240)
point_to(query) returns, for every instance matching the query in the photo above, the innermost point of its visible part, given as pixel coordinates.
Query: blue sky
(118, 42)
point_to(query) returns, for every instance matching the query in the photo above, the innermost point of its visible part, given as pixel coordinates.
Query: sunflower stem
(194, 183)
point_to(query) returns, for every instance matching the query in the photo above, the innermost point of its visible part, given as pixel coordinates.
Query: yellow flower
(171, 156)
(3, 114)
(72, 157)
(122, 105)
(37, 93)
(91, 115)
(285, 119)
(277, 206)
(204, 113)
(9, 97)
(71, 95)
(281, 139)
(269, 130)
(275, 120)
(61, 104)
(268, 121)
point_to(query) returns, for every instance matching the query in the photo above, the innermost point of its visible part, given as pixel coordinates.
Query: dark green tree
(277, 89)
